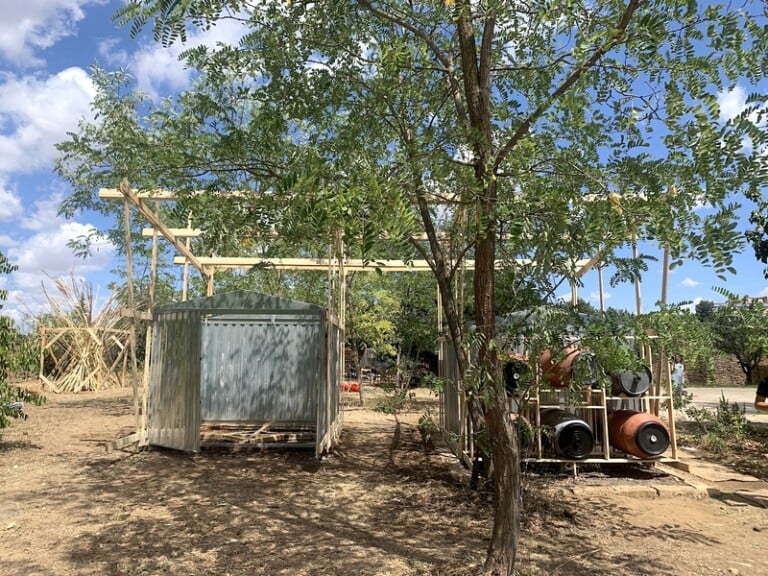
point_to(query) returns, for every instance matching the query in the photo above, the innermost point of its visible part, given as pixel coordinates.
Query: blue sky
(46, 48)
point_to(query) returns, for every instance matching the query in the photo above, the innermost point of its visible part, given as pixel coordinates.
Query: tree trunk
(502, 439)
(502, 550)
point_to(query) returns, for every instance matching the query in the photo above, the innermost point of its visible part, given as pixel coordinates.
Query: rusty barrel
(638, 433)
(573, 365)
(631, 382)
(567, 434)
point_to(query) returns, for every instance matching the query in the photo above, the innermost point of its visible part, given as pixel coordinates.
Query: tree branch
(600, 52)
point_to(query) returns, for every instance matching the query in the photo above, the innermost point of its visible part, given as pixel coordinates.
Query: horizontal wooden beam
(197, 232)
(177, 232)
(169, 195)
(325, 263)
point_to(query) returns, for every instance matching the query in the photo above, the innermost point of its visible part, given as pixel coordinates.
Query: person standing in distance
(678, 374)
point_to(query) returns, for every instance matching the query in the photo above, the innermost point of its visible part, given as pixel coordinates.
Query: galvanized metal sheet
(261, 369)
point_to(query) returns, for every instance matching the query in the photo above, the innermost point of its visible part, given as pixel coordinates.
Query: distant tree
(758, 235)
(741, 330)
(8, 394)
(705, 310)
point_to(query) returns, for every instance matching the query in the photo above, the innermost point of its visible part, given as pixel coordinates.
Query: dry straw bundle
(82, 345)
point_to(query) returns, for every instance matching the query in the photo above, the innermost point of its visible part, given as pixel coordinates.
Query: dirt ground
(379, 506)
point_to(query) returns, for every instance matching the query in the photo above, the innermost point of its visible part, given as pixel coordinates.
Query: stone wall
(727, 372)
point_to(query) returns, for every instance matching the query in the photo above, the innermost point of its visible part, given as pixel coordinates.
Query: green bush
(726, 426)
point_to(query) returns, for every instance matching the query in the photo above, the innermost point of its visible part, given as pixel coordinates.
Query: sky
(46, 49)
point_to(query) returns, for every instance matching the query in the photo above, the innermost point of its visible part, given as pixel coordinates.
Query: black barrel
(515, 371)
(631, 382)
(569, 436)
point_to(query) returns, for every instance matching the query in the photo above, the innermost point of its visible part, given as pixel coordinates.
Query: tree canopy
(537, 133)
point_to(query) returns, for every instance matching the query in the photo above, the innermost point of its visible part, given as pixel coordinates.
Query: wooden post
(185, 272)
(42, 355)
(638, 297)
(600, 286)
(209, 284)
(131, 304)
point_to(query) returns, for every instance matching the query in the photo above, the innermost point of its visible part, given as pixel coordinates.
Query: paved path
(744, 396)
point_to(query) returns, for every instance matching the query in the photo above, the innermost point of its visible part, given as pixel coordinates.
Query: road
(710, 398)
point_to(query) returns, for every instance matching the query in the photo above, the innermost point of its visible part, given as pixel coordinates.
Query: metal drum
(639, 434)
(578, 366)
(515, 371)
(631, 383)
(569, 436)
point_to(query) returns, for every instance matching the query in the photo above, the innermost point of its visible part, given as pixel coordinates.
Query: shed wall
(453, 404)
(173, 401)
(261, 368)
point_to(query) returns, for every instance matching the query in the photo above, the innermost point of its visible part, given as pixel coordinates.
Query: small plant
(394, 400)
(727, 425)
(428, 429)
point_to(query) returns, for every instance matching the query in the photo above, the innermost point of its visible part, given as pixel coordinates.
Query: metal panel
(452, 407)
(173, 413)
(261, 368)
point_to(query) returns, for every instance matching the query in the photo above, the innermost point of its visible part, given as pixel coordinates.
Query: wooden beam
(139, 438)
(177, 232)
(154, 219)
(324, 263)
(197, 232)
(128, 313)
(169, 195)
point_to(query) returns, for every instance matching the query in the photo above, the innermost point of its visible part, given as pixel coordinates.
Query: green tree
(741, 330)
(704, 310)
(538, 134)
(8, 394)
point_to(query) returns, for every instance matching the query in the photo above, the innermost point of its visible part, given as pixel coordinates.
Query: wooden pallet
(240, 435)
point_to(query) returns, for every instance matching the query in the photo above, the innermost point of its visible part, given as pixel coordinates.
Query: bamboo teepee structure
(82, 348)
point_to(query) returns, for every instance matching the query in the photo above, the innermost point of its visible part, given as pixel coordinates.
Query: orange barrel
(638, 433)
(631, 383)
(515, 370)
(567, 434)
(577, 365)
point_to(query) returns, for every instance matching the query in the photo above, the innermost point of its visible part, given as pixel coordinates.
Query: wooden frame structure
(89, 351)
(337, 267)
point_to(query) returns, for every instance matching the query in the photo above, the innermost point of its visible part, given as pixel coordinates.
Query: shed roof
(241, 302)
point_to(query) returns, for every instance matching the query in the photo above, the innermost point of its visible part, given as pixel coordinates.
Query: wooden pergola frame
(336, 268)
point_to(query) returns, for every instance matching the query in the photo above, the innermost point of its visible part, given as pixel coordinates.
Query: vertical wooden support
(43, 336)
(185, 271)
(638, 295)
(209, 284)
(131, 305)
(601, 289)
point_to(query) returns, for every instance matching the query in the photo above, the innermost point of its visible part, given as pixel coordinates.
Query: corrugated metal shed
(242, 358)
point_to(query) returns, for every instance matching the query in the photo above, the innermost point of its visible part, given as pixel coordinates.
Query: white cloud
(45, 212)
(43, 256)
(595, 296)
(27, 26)
(158, 69)
(10, 203)
(689, 282)
(732, 103)
(47, 251)
(37, 113)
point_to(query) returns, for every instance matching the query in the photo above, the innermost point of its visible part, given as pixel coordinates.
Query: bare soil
(381, 505)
